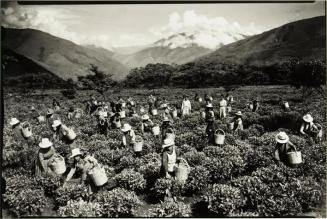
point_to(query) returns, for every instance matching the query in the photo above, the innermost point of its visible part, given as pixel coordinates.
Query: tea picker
(63, 133)
(16, 129)
(286, 151)
(169, 158)
(211, 127)
(51, 116)
(166, 124)
(186, 106)
(55, 105)
(93, 174)
(44, 158)
(255, 104)
(103, 125)
(308, 128)
(222, 108)
(128, 135)
(237, 121)
(147, 124)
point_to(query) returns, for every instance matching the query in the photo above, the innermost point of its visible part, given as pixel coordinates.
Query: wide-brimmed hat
(126, 127)
(32, 108)
(168, 142)
(50, 111)
(164, 105)
(166, 119)
(145, 117)
(14, 121)
(239, 113)
(209, 105)
(75, 152)
(45, 143)
(307, 118)
(112, 114)
(282, 137)
(56, 123)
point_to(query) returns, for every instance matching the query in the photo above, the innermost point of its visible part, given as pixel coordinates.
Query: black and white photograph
(163, 109)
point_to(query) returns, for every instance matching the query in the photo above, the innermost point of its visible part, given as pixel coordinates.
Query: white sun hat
(166, 119)
(13, 121)
(75, 152)
(239, 113)
(56, 123)
(168, 142)
(50, 112)
(307, 118)
(145, 117)
(209, 105)
(45, 143)
(282, 137)
(126, 127)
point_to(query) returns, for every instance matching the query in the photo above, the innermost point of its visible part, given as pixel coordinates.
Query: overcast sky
(128, 25)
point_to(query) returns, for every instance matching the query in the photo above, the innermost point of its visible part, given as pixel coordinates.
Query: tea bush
(80, 209)
(118, 203)
(131, 180)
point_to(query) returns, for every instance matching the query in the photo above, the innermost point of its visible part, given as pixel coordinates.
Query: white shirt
(186, 104)
(223, 103)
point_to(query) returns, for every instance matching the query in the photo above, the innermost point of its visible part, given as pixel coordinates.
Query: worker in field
(63, 133)
(82, 164)
(211, 126)
(128, 139)
(44, 157)
(222, 107)
(50, 117)
(166, 124)
(284, 104)
(103, 125)
(147, 124)
(255, 103)
(283, 146)
(169, 158)
(238, 122)
(93, 104)
(17, 129)
(230, 100)
(308, 128)
(186, 106)
(122, 102)
(55, 104)
(70, 114)
(209, 113)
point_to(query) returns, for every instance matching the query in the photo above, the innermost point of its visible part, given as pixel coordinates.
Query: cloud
(50, 20)
(202, 30)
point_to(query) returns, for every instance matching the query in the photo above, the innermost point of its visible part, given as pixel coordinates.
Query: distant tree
(309, 76)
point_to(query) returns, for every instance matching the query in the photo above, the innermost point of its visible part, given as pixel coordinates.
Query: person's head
(238, 114)
(56, 124)
(282, 138)
(145, 118)
(168, 144)
(45, 144)
(126, 128)
(308, 119)
(50, 112)
(76, 154)
(166, 120)
(14, 122)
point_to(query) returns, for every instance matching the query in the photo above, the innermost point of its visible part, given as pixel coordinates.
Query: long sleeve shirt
(186, 104)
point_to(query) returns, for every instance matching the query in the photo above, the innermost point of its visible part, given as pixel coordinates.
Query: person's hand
(168, 176)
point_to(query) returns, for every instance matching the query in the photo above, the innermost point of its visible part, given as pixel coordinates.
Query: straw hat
(56, 123)
(166, 119)
(45, 143)
(282, 137)
(307, 118)
(112, 114)
(50, 112)
(75, 152)
(239, 113)
(32, 108)
(209, 105)
(168, 142)
(145, 117)
(126, 127)
(13, 121)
